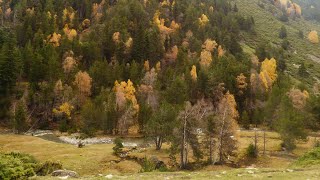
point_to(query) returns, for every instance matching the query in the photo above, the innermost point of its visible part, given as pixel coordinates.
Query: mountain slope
(267, 27)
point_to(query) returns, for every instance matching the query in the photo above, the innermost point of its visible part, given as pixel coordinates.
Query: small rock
(251, 172)
(239, 175)
(218, 176)
(64, 173)
(289, 170)
(109, 176)
(64, 177)
(224, 172)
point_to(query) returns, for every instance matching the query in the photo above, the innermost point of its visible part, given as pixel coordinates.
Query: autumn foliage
(313, 37)
(268, 74)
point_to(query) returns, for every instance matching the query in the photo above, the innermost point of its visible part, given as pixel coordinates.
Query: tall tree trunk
(221, 137)
(264, 142)
(211, 149)
(255, 140)
(183, 146)
(159, 141)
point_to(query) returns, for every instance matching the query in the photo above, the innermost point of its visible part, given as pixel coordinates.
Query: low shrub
(311, 158)
(21, 166)
(117, 149)
(251, 151)
(47, 168)
(17, 166)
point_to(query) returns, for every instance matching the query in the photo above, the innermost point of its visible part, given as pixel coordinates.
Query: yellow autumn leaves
(66, 109)
(268, 72)
(313, 37)
(125, 92)
(207, 49)
(267, 76)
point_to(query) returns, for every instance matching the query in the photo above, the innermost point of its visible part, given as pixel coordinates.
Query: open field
(93, 160)
(277, 174)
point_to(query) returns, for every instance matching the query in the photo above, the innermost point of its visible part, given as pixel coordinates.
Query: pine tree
(283, 32)
(20, 116)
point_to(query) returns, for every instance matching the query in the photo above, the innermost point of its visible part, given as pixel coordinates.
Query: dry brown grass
(92, 159)
(99, 159)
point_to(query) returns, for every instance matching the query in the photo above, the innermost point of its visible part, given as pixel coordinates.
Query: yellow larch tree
(126, 91)
(65, 109)
(220, 51)
(54, 39)
(68, 13)
(69, 62)
(86, 23)
(299, 98)
(158, 66)
(205, 58)
(210, 45)
(128, 44)
(58, 88)
(203, 20)
(270, 67)
(70, 33)
(313, 37)
(116, 37)
(146, 65)
(226, 125)
(83, 82)
(193, 73)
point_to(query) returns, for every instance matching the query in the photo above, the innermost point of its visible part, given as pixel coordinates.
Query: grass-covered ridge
(267, 27)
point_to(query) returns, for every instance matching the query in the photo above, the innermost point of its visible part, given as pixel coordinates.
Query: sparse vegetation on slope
(267, 27)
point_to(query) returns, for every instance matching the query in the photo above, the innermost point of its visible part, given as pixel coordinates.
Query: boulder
(64, 173)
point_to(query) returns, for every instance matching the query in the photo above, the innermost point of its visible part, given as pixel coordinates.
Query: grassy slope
(267, 28)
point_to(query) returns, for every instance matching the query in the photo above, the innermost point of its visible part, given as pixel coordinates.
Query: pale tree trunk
(264, 142)
(255, 140)
(158, 141)
(221, 137)
(184, 145)
(211, 149)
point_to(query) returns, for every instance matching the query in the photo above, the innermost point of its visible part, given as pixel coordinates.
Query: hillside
(132, 86)
(267, 28)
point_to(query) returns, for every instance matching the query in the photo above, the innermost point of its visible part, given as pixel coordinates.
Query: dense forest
(162, 69)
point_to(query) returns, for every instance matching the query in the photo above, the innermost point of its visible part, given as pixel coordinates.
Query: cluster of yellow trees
(267, 76)
(208, 48)
(292, 9)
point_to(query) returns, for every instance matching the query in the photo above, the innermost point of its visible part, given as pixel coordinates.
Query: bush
(16, 166)
(47, 168)
(153, 163)
(118, 146)
(148, 165)
(251, 151)
(288, 144)
(310, 158)
(21, 166)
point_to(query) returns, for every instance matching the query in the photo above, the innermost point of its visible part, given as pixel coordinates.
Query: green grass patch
(309, 159)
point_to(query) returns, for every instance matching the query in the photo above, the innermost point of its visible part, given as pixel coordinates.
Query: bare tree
(190, 118)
